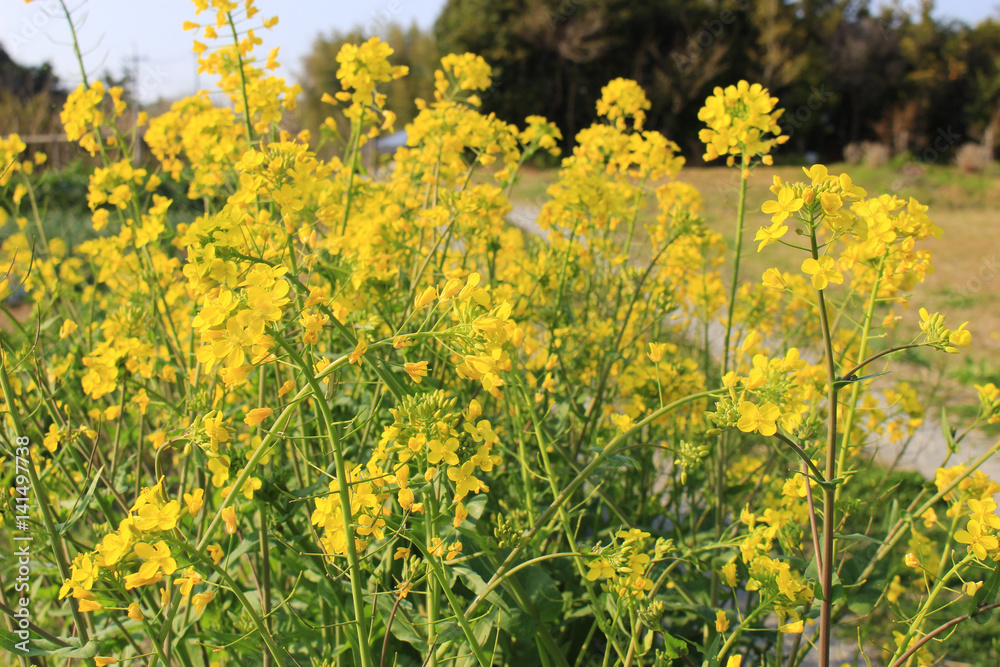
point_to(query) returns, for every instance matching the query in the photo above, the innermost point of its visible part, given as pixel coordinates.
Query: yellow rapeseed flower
(823, 271)
(257, 415)
(786, 204)
(739, 120)
(761, 419)
(229, 516)
(980, 542)
(416, 370)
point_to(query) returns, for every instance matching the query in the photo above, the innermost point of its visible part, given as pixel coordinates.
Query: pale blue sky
(112, 31)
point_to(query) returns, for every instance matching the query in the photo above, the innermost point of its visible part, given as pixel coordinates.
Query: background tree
(30, 98)
(845, 70)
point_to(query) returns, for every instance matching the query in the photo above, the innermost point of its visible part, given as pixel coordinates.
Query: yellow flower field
(347, 418)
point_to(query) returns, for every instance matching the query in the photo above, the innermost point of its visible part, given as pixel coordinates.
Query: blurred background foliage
(846, 71)
(885, 79)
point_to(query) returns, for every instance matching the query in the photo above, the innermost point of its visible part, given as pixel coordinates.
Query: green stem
(356, 137)
(877, 355)
(433, 590)
(575, 484)
(76, 43)
(852, 404)
(734, 283)
(276, 653)
(897, 532)
(463, 619)
(721, 453)
(344, 492)
(243, 81)
(942, 628)
(925, 609)
(738, 631)
(829, 494)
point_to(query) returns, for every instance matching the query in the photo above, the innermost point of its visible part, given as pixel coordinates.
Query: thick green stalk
(720, 454)
(344, 493)
(734, 283)
(852, 403)
(243, 82)
(829, 494)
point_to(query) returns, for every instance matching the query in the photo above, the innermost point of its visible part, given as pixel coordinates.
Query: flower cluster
(740, 119)
(137, 555)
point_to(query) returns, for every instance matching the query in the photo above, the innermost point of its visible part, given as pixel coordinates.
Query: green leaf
(543, 592)
(843, 382)
(81, 506)
(402, 629)
(245, 546)
(476, 505)
(484, 626)
(475, 583)
(862, 600)
(987, 594)
(36, 646)
(448, 631)
(520, 626)
(673, 647)
(712, 656)
(838, 587)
